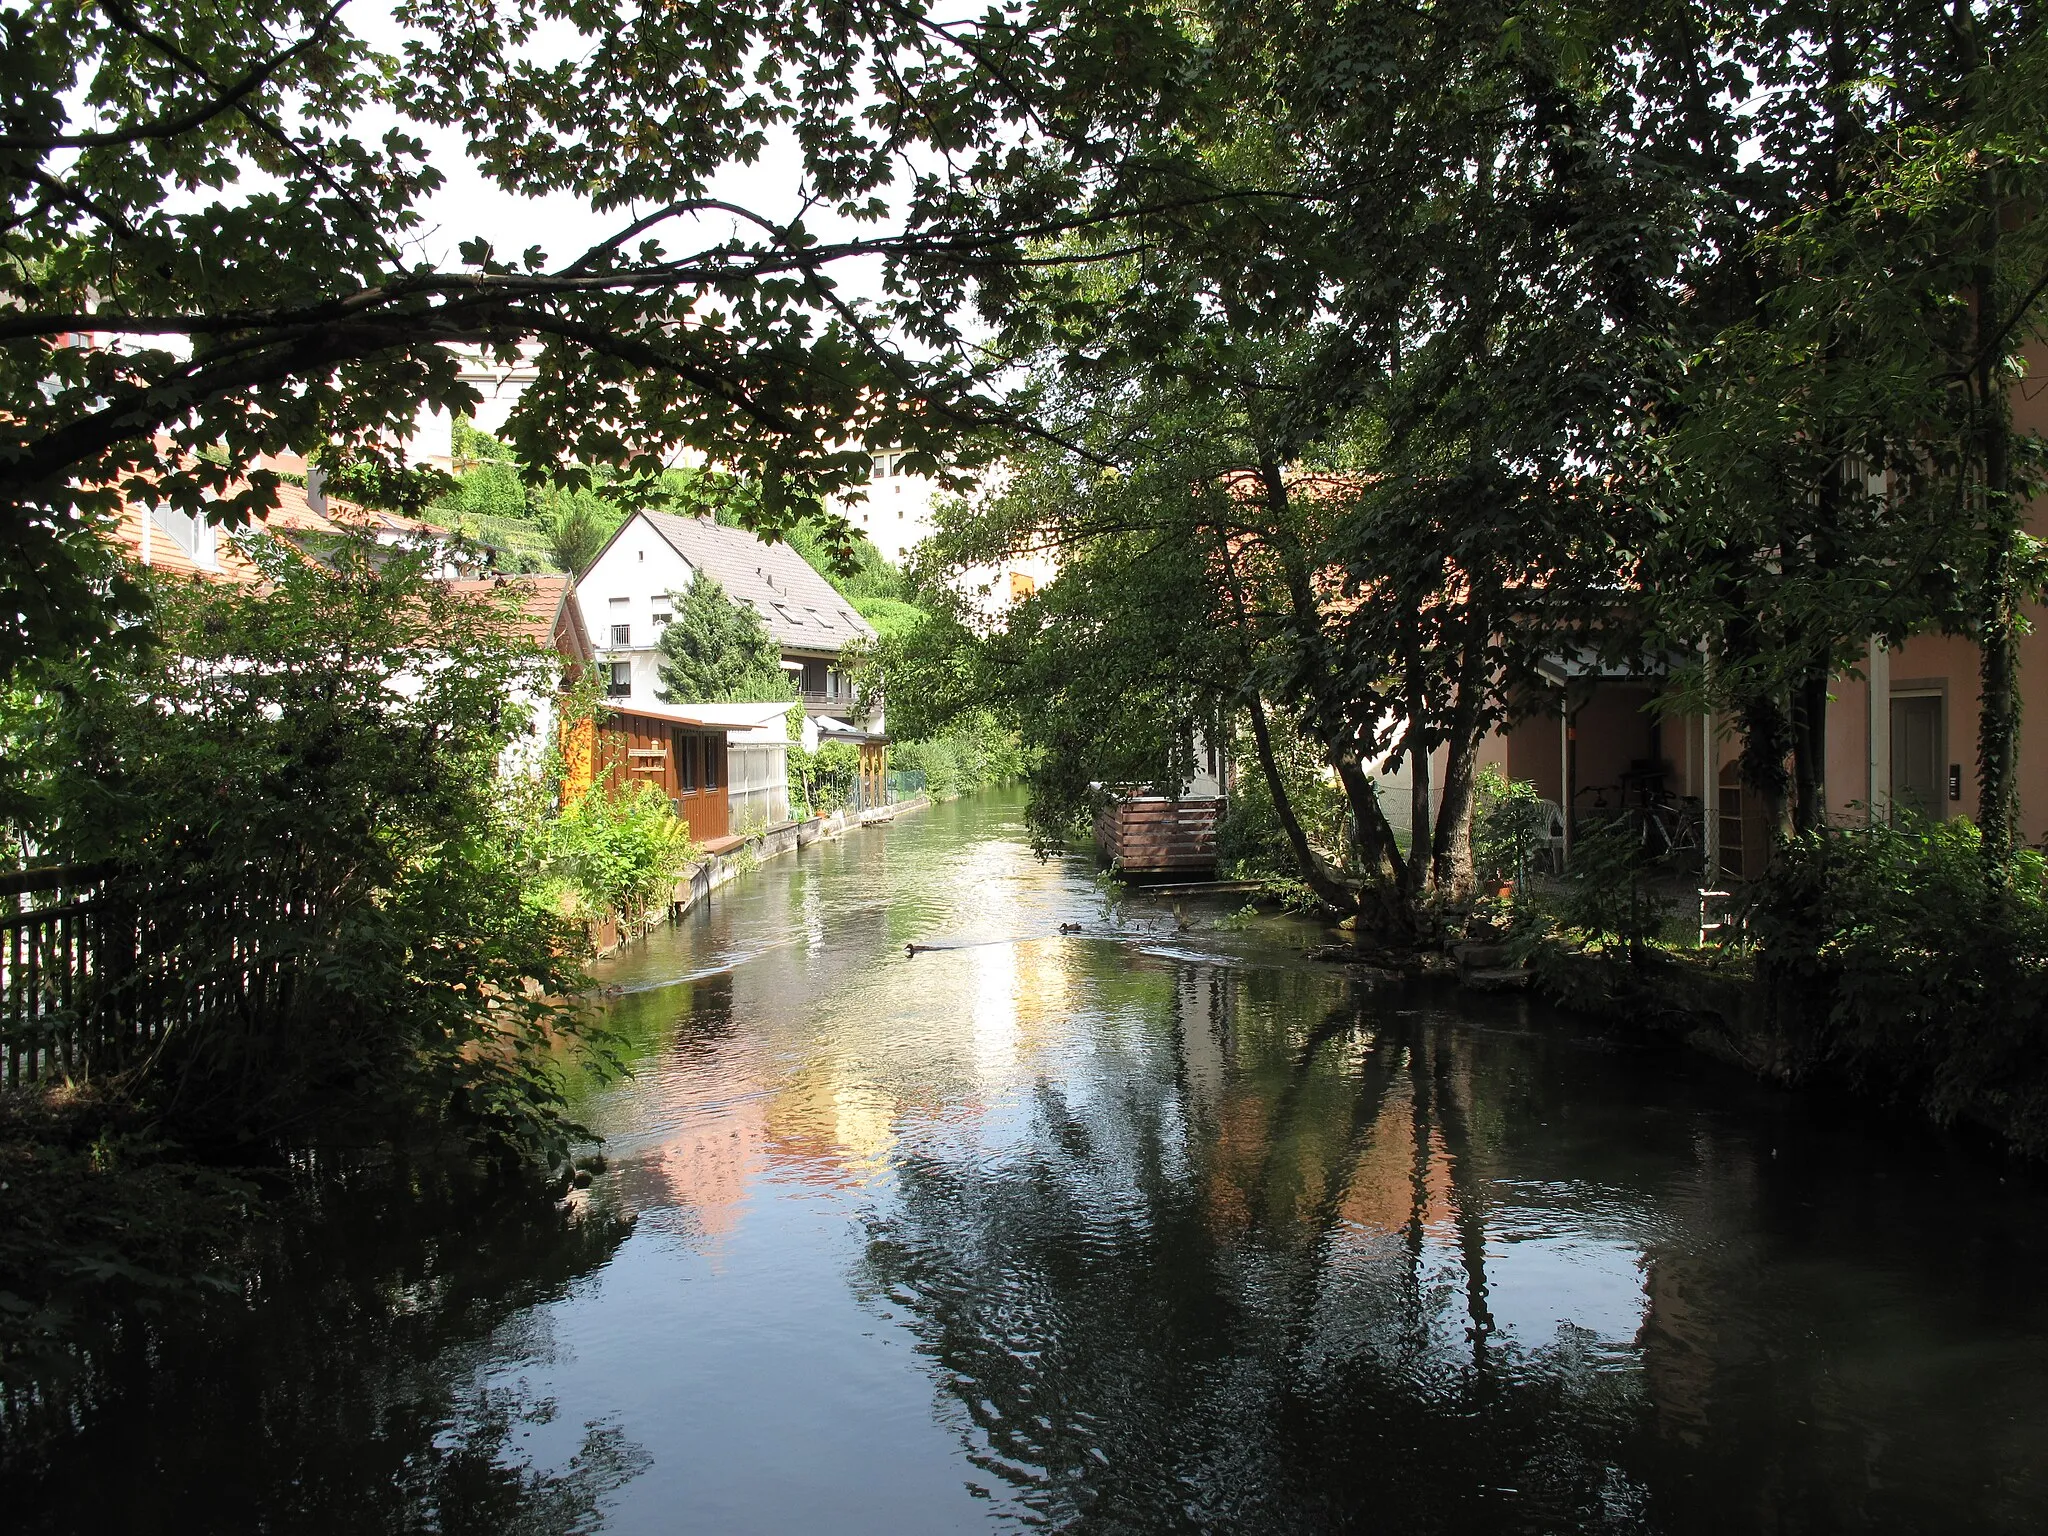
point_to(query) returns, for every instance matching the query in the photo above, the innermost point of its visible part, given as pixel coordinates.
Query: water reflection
(1192, 1235)
(383, 1375)
(1139, 1230)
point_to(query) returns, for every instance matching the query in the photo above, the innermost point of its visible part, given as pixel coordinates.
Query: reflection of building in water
(703, 1166)
(827, 1126)
(1295, 1145)
(1205, 1009)
(1402, 1177)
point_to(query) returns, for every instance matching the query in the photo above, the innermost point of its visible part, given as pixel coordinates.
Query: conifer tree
(718, 649)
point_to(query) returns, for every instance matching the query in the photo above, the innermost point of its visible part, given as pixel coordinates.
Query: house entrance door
(1917, 751)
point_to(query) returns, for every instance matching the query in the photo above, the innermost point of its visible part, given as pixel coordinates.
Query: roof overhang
(672, 714)
(1583, 664)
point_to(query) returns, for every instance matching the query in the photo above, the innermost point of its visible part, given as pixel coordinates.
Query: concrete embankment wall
(729, 864)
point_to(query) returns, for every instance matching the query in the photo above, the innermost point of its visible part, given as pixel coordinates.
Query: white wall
(897, 511)
(630, 583)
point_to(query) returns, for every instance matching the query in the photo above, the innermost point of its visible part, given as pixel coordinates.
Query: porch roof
(1583, 664)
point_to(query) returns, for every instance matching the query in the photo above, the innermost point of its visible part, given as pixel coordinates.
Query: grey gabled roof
(803, 611)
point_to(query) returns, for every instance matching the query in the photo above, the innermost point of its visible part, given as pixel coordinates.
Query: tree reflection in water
(1207, 1311)
(364, 1383)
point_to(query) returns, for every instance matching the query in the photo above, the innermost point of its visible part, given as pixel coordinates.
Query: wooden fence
(1154, 835)
(94, 972)
(50, 961)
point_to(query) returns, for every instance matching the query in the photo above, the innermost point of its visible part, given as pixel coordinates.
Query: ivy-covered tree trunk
(1998, 719)
(1451, 844)
(1328, 886)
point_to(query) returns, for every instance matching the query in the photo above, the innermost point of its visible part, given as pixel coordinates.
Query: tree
(1359, 429)
(302, 782)
(717, 649)
(1837, 450)
(209, 257)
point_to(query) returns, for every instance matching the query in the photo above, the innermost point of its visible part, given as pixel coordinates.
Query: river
(1153, 1226)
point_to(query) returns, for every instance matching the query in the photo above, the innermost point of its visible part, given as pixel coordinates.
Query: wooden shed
(1155, 836)
(678, 752)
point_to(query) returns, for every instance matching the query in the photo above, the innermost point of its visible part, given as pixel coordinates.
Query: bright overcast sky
(469, 204)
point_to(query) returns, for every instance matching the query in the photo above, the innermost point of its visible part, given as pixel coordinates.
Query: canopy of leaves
(213, 238)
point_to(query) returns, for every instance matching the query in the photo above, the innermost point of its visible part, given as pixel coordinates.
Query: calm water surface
(1147, 1228)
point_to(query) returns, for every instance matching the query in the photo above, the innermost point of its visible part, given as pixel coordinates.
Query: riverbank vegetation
(318, 808)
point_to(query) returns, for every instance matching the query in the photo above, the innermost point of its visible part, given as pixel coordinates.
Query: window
(191, 533)
(622, 635)
(619, 604)
(686, 762)
(662, 611)
(620, 684)
(814, 677)
(714, 761)
(787, 616)
(818, 618)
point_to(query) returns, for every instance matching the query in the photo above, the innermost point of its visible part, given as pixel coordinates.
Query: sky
(470, 204)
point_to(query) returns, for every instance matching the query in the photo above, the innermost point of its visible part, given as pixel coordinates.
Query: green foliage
(306, 773)
(232, 192)
(408, 490)
(828, 775)
(892, 618)
(977, 752)
(717, 649)
(1932, 980)
(532, 518)
(1250, 842)
(621, 852)
(1606, 896)
(1509, 826)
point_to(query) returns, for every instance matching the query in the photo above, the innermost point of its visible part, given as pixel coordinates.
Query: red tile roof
(548, 610)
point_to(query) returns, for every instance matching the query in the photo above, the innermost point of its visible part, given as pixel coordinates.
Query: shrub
(302, 782)
(1604, 894)
(1930, 979)
(621, 852)
(1508, 826)
(976, 752)
(1250, 842)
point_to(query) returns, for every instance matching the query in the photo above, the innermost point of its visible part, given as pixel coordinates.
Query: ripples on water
(1139, 1229)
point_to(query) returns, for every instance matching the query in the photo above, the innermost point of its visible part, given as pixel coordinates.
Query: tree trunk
(1809, 728)
(1416, 751)
(1451, 842)
(1383, 904)
(1766, 734)
(1327, 886)
(1998, 719)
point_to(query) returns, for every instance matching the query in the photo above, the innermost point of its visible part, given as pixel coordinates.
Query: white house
(898, 512)
(629, 592)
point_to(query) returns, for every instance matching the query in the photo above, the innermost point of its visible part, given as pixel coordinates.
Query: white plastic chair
(1550, 835)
